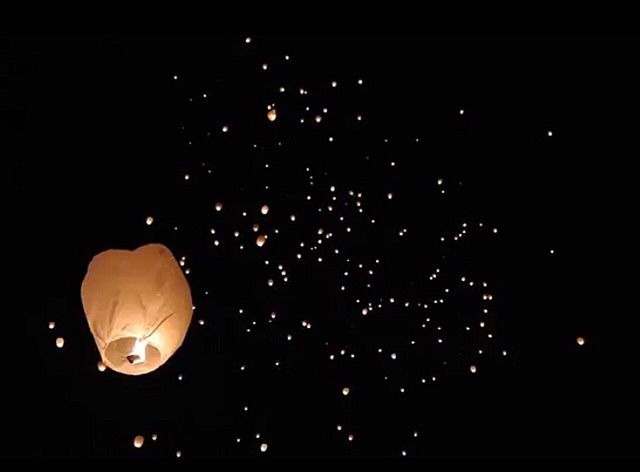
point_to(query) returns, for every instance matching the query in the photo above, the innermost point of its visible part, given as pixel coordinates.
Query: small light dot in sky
(247, 39)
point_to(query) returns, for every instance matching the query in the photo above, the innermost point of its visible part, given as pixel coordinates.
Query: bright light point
(178, 454)
(345, 391)
(350, 437)
(365, 311)
(225, 128)
(359, 81)
(580, 340)
(473, 369)
(52, 324)
(394, 356)
(218, 208)
(264, 447)
(549, 133)
(389, 195)
(101, 366)
(461, 111)
(59, 342)
(149, 220)
(247, 39)
(138, 441)
(265, 66)
(334, 84)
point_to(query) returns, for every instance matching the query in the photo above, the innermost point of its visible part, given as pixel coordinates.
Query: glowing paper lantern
(261, 240)
(60, 342)
(138, 441)
(101, 366)
(264, 209)
(272, 115)
(580, 341)
(138, 306)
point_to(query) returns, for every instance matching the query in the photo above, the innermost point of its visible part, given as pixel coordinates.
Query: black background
(97, 146)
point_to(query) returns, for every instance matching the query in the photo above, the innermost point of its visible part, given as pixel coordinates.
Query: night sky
(455, 205)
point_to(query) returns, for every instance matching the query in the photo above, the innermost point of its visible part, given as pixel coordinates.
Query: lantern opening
(132, 355)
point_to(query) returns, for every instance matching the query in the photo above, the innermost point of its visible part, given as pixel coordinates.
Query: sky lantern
(138, 306)
(260, 240)
(272, 114)
(138, 441)
(264, 209)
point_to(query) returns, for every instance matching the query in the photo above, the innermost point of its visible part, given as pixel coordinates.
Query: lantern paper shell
(138, 306)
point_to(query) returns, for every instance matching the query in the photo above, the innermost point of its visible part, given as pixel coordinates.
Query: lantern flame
(139, 353)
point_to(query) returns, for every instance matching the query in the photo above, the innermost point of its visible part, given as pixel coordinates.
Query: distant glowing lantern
(318, 118)
(345, 391)
(264, 209)
(101, 366)
(473, 369)
(52, 324)
(272, 115)
(218, 206)
(138, 441)
(261, 240)
(580, 341)
(264, 447)
(256, 227)
(60, 342)
(138, 306)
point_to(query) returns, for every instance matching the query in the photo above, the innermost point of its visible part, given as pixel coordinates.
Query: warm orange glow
(138, 306)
